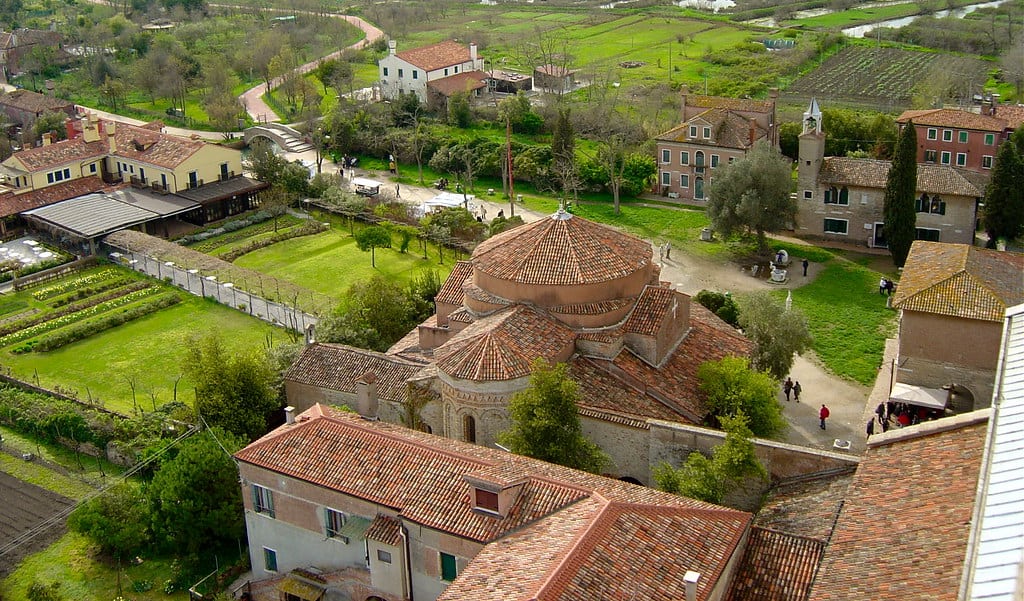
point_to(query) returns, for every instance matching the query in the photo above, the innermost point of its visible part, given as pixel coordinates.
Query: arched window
(699, 158)
(921, 204)
(468, 428)
(844, 196)
(938, 206)
(698, 188)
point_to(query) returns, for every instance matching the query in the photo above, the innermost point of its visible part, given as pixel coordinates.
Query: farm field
(26, 506)
(146, 351)
(881, 77)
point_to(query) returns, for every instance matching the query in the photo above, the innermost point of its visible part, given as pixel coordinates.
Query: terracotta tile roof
(436, 56)
(903, 529)
(461, 315)
(776, 567)
(650, 309)
(730, 130)
(733, 104)
(34, 102)
(959, 280)
(422, 477)
(451, 291)
(337, 367)
(871, 173)
(603, 393)
(953, 118)
(562, 250)
(11, 204)
(471, 290)
(138, 143)
(1013, 114)
(386, 530)
(806, 506)
(503, 346)
(597, 308)
(467, 81)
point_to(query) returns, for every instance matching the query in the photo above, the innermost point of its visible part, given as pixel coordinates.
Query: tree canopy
(900, 190)
(712, 479)
(233, 391)
(117, 520)
(732, 387)
(753, 193)
(377, 313)
(371, 238)
(778, 333)
(1004, 195)
(546, 422)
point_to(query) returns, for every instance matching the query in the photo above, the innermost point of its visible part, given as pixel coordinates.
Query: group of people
(789, 387)
(441, 184)
(903, 414)
(665, 250)
(886, 286)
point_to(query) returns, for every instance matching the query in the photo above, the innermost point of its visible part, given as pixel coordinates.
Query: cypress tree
(900, 188)
(563, 139)
(1004, 196)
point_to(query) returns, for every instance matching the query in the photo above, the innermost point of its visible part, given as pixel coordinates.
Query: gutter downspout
(404, 533)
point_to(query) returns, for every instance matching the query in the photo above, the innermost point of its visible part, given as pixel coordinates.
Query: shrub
(721, 305)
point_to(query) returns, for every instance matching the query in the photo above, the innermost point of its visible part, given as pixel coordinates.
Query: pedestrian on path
(805, 264)
(883, 285)
(787, 387)
(796, 391)
(668, 250)
(823, 415)
(871, 427)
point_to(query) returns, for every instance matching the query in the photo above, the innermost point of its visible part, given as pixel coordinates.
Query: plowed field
(25, 506)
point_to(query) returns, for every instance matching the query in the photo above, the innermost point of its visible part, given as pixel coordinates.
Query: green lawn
(330, 262)
(149, 350)
(855, 16)
(74, 563)
(86, 470)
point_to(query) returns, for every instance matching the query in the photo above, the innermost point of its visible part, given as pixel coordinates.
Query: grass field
(856, 16)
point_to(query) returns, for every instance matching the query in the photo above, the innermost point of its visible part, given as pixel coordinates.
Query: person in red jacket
(823, 415)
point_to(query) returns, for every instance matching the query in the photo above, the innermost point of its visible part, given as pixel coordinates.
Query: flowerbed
(70, 318)
(87, 291)
(212, 243)
(66, 286)
(307, 229)
(13, 327)
(83, 330)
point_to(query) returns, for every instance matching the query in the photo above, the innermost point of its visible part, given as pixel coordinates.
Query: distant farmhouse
(841, 198)
(195, 181)
(713, 131)
(23, 107)
(957, 294)
(16, 45)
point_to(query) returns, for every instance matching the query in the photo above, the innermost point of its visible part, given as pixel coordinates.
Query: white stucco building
(409, 71)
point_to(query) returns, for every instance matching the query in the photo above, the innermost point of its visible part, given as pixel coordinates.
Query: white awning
(933, 398)
(449, 199)
(362, 182)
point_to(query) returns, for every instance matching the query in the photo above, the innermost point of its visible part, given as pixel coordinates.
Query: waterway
(860, 30)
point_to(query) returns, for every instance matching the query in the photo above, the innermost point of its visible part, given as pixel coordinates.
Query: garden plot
(25, 507)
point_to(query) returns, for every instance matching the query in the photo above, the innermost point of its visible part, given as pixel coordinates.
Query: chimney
(690, 580)
(47, 139)
(753, 131)
(90, 130)
(49, 85)
(366, 395)
(111, 142)
(472, 53)
(289, 415)
(392, 47)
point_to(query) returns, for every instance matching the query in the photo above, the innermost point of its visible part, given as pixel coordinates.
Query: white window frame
(933, 134)
(808, 194)
(986, 161)
(684, 157)
(961, 159)
(693, 131)
(707, 133)
(666, 156)
(824, 226)
(945, 158)
(962, 137)
(990, 139)
(263, 500)
(666, 178)
(384, 556)
(684, 181)
(267, 551)
(334, 521)
(714, 161)
(947, 135)
(931, 156)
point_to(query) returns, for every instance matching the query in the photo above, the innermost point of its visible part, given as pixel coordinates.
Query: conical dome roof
(562, 250)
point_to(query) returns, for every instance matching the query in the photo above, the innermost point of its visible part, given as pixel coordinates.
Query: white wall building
(409, 71)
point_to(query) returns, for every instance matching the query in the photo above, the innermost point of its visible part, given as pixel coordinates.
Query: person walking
(883, 285)
(805, 264)
(871, 427)
(787, 387)
(668, 250)
(796, 391)
(823, 414)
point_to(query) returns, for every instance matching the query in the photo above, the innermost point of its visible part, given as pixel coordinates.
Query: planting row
(21, 324)
(65, 286)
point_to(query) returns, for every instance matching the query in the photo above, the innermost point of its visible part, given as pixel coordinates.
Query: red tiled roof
(386, 530)
(730, 130)
(467, 81)
(872, 173)
(806, 506)
(436, 56)
(733, 104)
(338, 367)
(960, 280)
(503, 346)
(1013, 114)
(56, 154)
(562, 250)
(34, 102)
(12, 204)
(650, 309)
(953, 118)
(451, 291)
(903, 529)
(776, 567)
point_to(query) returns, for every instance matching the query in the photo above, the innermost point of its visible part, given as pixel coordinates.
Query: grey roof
(97, 214)
(995, 566)
(222, 189)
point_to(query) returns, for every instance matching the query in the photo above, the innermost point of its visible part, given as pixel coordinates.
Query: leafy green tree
(732, 387)
(753, 193)
(233, 391)
(900, 190)
(371, 238)
(117, 520)
(778, 333)
(50, 122)
(459, 113)
(264, 163)
(516, 110)
(721, 305)
(195, 500)
(712, 479)
(1004, 196)
(374, 315)
(546, 421)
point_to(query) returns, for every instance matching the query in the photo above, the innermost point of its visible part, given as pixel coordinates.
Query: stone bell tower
(811, 153)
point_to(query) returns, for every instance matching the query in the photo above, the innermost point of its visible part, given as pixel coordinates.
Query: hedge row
(67, 285)
(306, 229)
(215, 242)
(21, 324)
(87, 291)
(229, 226)
(83, 330)
(52, 418)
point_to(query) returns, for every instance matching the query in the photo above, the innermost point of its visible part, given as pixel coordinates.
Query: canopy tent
(449, 199)
(932, 398)
(366, 186)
